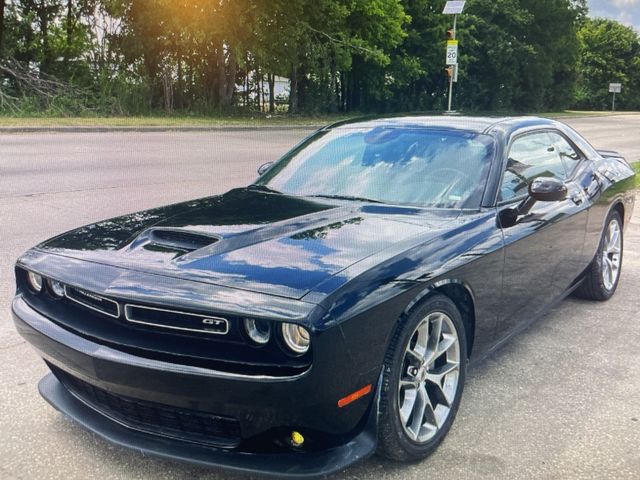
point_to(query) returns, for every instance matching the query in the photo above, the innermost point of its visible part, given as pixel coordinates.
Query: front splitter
(292, 465)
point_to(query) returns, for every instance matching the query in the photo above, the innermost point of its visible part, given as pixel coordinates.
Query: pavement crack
(96, 189)
(12, 345)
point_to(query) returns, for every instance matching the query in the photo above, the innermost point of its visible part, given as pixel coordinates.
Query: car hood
(249, 239)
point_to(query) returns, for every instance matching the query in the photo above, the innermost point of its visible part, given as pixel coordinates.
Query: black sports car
(293, 326)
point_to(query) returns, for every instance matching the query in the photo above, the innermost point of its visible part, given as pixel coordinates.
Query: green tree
(609, 52)
(549, 77)
(416, 79)
(374, 29)
(206, 56)
(519, 55)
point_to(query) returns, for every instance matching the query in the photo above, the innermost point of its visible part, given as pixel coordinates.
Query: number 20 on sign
(452, 52)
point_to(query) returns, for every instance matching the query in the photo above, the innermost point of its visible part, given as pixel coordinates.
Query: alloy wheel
(611, 255)
(429, 377)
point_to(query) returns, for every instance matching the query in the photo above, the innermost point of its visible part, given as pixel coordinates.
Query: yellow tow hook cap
(296, 439)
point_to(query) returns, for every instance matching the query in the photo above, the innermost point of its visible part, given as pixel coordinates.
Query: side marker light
(354, 396)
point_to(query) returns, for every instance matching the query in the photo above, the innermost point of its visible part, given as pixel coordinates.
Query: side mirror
(262, 169)
(547, 189)
(541, 189)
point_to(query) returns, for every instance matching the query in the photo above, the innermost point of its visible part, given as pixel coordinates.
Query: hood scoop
(172, 240)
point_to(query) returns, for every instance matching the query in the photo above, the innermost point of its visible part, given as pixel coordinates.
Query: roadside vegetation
(232, 120)
(175, 120)
(636, 167)
(212, 58)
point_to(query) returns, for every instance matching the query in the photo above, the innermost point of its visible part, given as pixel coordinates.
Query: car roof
(479, 124)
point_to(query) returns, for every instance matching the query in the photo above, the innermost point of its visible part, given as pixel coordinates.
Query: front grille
(164, 318)
(184, 337)
(93, 301)
(164, 420)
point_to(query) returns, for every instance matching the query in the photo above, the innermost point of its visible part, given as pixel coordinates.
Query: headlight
(296, 337)
(56, 288)
(258, 330)
(35, 282)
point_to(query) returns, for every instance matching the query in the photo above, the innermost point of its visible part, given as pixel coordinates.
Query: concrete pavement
(617, 132)
(559, 401)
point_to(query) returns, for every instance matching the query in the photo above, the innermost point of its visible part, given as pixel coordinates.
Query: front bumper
(283, 465)
(253, 401)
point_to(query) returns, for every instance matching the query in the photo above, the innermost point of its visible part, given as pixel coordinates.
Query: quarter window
(567, 153)
(531, 156)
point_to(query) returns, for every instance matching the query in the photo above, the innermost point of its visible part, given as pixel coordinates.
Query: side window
(567, 153)
(530, 156)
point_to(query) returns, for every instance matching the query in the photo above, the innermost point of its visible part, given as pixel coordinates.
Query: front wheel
(602, 276)
(423, 378)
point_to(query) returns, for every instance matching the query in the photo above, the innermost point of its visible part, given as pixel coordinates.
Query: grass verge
(231, 121)
(160, 121)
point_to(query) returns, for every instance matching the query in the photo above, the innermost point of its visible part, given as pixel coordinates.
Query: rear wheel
(602, 276)
(423, 379)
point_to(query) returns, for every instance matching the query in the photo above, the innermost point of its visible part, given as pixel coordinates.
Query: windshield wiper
(347, 197)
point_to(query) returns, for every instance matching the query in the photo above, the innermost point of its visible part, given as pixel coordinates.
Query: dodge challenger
(330, 309)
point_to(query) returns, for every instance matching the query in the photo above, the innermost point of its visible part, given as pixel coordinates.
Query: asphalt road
(561, 400)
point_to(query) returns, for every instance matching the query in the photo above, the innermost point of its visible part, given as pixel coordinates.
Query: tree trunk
(179, 95)
(189, 90)
(272, 95)
(222, 76)
(151, 67)
(45, 65)
(2, 8)
(226, 77)
(246, 88)
(301, 82)
(167, 83)
(259, 88)
(343, 92)
(332, 94)
(231, 78)
(293, 91)
(211, 86)
(67, 50)
(348, 86)
(338, 90)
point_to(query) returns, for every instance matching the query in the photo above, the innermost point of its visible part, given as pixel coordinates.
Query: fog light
(35, 282)
(57, 289)
(296, 439)
(258, 330)
(296, 337)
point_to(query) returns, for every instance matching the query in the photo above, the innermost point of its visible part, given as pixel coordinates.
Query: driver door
(543, 248)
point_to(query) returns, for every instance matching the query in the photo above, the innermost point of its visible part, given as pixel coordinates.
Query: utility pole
(452, 8)
(455, 67)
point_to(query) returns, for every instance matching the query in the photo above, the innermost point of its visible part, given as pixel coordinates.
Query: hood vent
(174, 239)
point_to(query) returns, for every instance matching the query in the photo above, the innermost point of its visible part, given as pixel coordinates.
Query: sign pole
(455, 8)
(613, 103)
(614, 88)
(455, 22)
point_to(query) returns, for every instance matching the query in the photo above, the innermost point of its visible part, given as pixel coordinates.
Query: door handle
(577, 198)
(605, 172)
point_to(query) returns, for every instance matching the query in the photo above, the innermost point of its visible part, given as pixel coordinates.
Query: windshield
(416, 166)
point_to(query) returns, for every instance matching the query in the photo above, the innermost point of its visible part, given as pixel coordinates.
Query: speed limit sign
(452, 52)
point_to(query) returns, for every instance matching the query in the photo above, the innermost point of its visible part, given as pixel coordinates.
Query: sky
(624, 11)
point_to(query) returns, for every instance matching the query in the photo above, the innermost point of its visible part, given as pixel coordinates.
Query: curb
(223, 128)
(143, 129)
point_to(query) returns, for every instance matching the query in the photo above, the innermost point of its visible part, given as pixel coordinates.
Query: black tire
(593, 285)
(393, 441)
